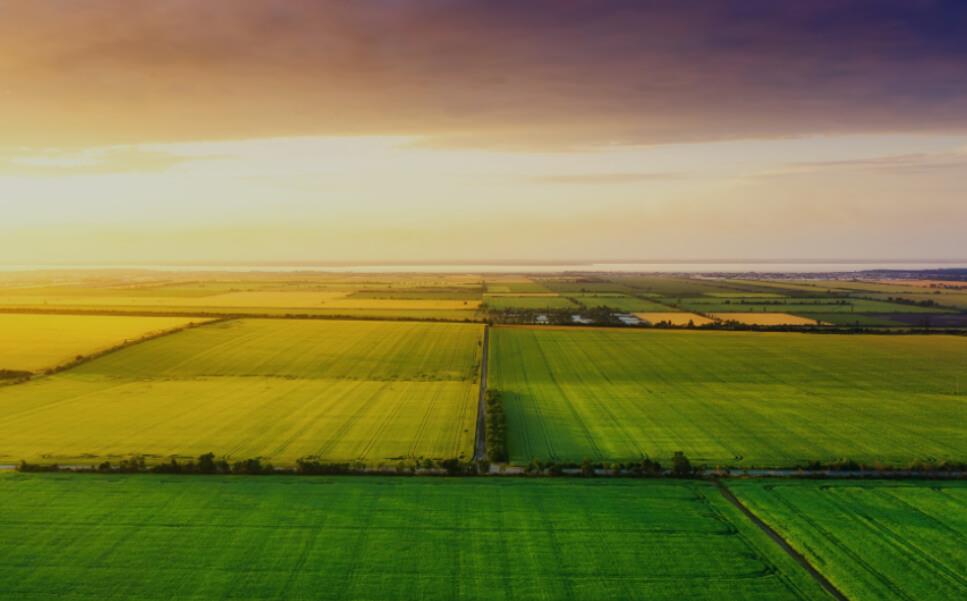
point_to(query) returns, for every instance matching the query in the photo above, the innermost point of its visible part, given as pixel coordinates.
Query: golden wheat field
(765, 319)
(37, 342)
(675, 318)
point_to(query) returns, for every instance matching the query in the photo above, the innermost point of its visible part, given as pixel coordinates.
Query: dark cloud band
(549, 73)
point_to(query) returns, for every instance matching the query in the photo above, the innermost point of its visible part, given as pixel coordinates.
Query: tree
(681, 466)
(206, 463)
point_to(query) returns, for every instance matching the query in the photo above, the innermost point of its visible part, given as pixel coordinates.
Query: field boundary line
(118, 347)
(777, 538)
(480, 444)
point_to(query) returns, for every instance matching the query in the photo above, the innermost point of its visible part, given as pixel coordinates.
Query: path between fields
(480, 446)
(777, 538)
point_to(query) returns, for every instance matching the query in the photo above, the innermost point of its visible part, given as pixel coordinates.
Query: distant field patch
(279, 389)
(123, 537)
(800, 305)
(622, 303)
(730, 398)
(858, 319)
(873, 540)
(947, 298)
(744, 295)
(765, 319)
(570, 287)
(675, 318)
(501, 303)
(951, 284)
(234, 302)
(38, 342)
(514, 284)
(430, 293)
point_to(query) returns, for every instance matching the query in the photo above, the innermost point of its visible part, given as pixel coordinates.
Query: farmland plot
(766, 319)
(873, 540)
(37, 342)
(730, 398)
(626, 304)
(279, 389)
(502, 303)
(169, 537)
(799, 306)
(675, 318)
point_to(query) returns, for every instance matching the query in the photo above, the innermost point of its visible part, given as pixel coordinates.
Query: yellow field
(766, 319)
(262, 298)
(275, 388)
(37, 342)
(676, 318)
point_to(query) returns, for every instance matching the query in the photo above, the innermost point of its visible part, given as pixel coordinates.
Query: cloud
(922, 162)
(494, 73)
(119, 159)
(604, 178)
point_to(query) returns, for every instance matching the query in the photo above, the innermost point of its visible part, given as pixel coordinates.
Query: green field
(167, 537)
(503, 303)
(800, 305)
(279, 389)
(948, 298)
(622, 303)
(730, 398)
(873, 540)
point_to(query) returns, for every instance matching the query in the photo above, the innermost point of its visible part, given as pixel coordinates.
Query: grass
(368, 391)
(873, 540)
(730, 398)
(165, 537)
(37, 342)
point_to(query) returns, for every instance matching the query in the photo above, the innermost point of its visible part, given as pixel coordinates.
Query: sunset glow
(244, 131)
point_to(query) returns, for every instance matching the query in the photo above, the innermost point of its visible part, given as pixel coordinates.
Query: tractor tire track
(777, 538)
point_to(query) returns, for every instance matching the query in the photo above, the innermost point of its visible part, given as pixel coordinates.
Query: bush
(312, 466)
(252, 467)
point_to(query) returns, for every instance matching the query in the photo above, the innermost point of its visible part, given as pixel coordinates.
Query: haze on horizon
(143, 131)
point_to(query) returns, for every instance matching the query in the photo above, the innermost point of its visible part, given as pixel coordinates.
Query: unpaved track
(480, 447)
(798, 557)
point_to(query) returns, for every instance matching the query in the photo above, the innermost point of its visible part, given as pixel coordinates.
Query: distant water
(650, 267)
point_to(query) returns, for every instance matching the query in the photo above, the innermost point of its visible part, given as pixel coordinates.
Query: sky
(246, 131)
